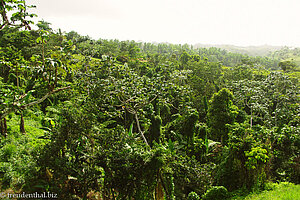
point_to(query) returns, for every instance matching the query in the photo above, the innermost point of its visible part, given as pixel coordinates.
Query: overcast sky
(237, 22)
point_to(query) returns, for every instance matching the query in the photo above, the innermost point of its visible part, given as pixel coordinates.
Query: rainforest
(108, 119)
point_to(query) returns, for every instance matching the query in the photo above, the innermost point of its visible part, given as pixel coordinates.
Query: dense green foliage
(216, 193)
(113, 119)
(282, 191)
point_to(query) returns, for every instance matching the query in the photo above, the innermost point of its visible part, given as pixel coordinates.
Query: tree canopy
(112, 119)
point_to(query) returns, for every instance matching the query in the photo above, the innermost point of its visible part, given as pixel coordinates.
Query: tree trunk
(17, 73)
(139, 128)
(5, 73)
(3, 126)
(22, 127)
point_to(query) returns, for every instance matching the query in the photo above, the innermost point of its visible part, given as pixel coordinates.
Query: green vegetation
(216, 192)
(282, 191)
(109, 119)
(263, 50)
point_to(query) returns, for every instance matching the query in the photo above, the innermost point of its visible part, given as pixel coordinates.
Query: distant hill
(288, 54)
(263, 50)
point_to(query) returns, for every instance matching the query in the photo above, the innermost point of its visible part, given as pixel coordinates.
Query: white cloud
(239, 22)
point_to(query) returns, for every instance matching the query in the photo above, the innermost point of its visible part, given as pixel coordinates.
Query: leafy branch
(15, 106)
(134, 111)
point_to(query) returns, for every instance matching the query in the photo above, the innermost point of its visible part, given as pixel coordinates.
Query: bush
(190, 175)
(19, 152)
(193, 196)
(216, 193)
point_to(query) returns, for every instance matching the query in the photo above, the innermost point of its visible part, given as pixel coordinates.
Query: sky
(234, 22)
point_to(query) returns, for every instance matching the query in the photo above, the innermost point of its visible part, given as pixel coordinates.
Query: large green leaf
(130, 130)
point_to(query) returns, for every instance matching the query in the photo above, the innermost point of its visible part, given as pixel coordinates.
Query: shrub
(193, 196)
(190, 175)
(18, 153)
(216, 193)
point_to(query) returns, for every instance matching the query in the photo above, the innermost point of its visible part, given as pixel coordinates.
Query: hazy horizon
(215, 22)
